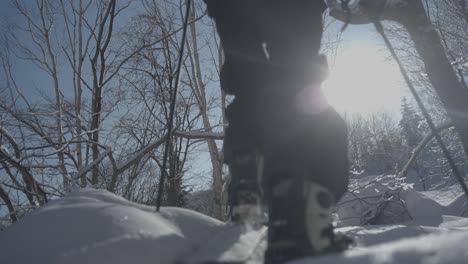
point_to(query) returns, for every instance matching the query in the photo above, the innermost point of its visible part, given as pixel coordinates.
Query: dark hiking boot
(300, 220)
(245, 201)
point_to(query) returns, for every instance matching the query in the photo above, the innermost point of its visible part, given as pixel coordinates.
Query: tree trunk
(43, 8)
(98, 69)
(79, 93)
(217, 163)
(11, 209)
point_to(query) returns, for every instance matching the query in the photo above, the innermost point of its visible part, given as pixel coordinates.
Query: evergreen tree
(409, 124)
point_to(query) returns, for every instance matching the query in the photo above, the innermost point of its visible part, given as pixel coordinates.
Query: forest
(86, 85)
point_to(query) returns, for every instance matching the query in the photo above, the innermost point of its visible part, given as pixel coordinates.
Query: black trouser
(265, 114)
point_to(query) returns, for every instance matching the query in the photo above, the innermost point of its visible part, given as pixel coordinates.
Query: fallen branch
(82, 171)
(419, 149)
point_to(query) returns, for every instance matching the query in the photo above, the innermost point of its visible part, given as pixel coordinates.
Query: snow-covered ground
(93, 226)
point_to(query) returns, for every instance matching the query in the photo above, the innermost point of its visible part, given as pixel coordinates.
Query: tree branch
(418, 149)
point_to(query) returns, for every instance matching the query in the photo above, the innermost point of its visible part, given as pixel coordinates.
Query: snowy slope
(444, 248)
(92, 226)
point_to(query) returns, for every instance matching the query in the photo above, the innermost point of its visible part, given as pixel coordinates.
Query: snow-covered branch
(11, 140)
(90, 166)
(199, 135)
(122, 166)
(419, 148)
(361, 11)
(140, 154)
(27, 176)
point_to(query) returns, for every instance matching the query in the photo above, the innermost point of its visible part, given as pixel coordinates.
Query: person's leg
(304, 144)
(242, 76)
(304, 177)
(305, 141)
(242, 154)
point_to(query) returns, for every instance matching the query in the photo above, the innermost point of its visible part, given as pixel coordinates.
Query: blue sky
(6, 11)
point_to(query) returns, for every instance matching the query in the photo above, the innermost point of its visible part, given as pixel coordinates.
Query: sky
(362, 78)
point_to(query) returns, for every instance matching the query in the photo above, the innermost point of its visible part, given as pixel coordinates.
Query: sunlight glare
(363, 81)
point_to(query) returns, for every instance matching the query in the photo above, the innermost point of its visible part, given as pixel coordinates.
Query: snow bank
(94, 226)
(444, 248)
(388, 200)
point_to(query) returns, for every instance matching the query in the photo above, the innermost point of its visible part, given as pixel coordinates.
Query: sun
(362, 80)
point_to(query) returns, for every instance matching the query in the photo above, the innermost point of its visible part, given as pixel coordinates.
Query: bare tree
(70, 44)
(205, 104)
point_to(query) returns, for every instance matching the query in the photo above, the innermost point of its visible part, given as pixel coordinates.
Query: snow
(92, 226)
(95, 226)
(444, 196)
(364, 203)
(449, 247)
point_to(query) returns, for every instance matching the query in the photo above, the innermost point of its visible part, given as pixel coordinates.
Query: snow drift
(385, 199)
(94, 226)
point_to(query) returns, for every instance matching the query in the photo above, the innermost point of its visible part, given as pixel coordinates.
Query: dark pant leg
(314, 147)
(305, 144)
(314, 140)
(242, 75)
